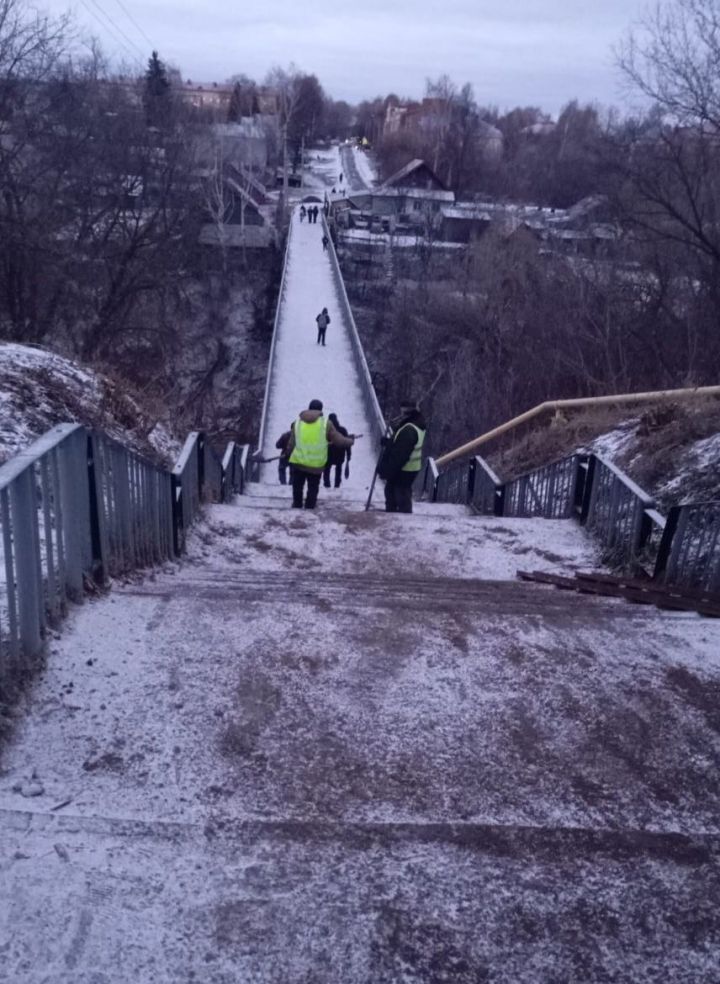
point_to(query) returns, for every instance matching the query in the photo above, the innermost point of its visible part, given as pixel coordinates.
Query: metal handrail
(273, 343)
(689, 552)
(78, 506)
(682, 550)
(46, 537)
(372, 405)
(575, 404)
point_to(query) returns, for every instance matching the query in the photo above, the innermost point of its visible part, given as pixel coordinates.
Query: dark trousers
(398, 492)
(321, 334)
(338, 475)
(299, 478)
(283, 466)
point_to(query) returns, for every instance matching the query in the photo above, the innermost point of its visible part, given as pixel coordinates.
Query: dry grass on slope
(672, 450)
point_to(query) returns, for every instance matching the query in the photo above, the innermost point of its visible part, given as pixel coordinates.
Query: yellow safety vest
(311, 445)
(414, 462)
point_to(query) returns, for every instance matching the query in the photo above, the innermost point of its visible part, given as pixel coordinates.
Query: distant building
(463, 223)
(244, 143)
(214, 96)
(415, 174)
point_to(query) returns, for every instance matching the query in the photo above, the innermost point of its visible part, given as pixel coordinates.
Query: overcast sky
(514, 52)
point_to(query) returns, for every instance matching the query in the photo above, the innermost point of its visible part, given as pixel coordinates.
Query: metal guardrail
(46, 537)
(548, 491)
(372, 407)
(134, 519)
(79, 507)
(235, 466)
(454, 484)
(689, 553)
(618, 512)
(488, 492)
(273, 343)
(683, 550)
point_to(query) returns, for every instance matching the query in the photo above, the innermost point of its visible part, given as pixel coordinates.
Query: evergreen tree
(156, 96)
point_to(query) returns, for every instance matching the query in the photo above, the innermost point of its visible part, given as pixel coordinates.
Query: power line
(107, 16)
(96, 3)
(122, 7)
(110, 31)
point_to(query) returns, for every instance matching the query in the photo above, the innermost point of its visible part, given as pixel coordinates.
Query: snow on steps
(263, 533)
(307, 749)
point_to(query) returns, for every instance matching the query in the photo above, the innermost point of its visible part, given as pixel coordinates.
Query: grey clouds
(521, 52)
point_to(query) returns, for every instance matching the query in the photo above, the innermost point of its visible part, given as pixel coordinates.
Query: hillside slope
(39, 389)
(672, 450)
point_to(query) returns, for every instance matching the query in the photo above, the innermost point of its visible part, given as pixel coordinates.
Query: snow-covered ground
(360, 172)
(304, 370)
(320, 743)
(365, 166)
(690, 469)
(39, 389)
(392, 239)
(341, 538)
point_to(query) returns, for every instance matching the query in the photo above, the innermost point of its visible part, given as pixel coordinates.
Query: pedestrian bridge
(301, 370)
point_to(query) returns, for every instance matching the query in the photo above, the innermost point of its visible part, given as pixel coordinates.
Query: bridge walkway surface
(344, 746)
(301, 370)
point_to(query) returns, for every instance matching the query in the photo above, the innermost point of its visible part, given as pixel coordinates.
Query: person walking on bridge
(401, 459)
(311, 434)
(337, 456)
(323, 320)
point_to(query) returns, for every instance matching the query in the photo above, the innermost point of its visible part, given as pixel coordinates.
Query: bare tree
(219, 200)
(674, 60)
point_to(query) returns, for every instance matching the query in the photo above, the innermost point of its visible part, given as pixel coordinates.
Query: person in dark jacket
(282, 445)
(323, 320)
(401, 459)
(337, 456)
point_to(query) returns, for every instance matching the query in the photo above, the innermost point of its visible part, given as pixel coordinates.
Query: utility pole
(302, 163)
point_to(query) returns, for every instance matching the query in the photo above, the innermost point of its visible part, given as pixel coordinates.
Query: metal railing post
(98, 539)
(177, 513)
(587, 490)
(23, 510)
(471, 481)
(201, 464)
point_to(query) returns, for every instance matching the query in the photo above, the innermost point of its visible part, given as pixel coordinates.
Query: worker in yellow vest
(401, 459)
(310, 436)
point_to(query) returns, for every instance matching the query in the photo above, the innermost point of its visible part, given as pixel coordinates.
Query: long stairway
(346, 747)
(336, 746)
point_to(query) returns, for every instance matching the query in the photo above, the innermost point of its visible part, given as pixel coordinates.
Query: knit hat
(315, 405)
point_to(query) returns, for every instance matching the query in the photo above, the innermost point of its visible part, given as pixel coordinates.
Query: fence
(370, 399)
(235, 465)
(78, 506)
(683, 550)
(548, 491)
(619, 513)
(271, 358)
(689, 553)
(201, 476)
(132, 518)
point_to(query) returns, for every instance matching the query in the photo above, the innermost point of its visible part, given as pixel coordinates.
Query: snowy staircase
(338, 744)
